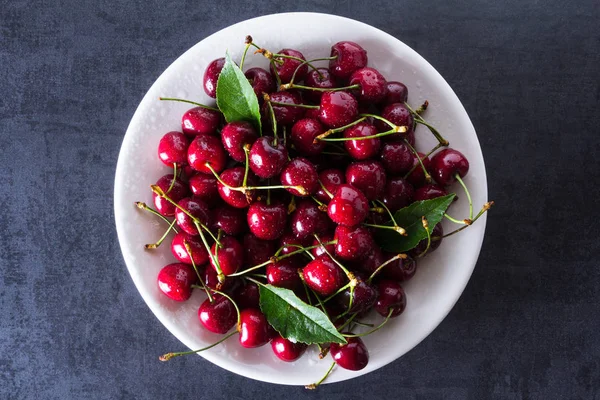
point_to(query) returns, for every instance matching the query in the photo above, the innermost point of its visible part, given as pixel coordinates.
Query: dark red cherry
(234, 178)
(363, 299)
(230, 220)
(353, 243)
(257, 251)
(196, 207)
(172, 149)
(391, 297)
(399, 270)
(436, 239)
(290, 243)
(199, 253)
(219, 316)
(267, 221)
(320, 250)
(261, 80)
(353, 355)
(368, 177)
(285, 115)
(267, 159)
(349, 206)
(331, 179)
(200, 121)
(303, 136)
(177, 192)
(398, 193)
(312, 113)
(236, 135)
(446, 164)
(320, 78)
(397, 92)
(371, 261)
(284, 274)
(365, 148)
(230, 286)
(248, 296)
(397, 158)
(207, 149)
(302, 173)
(373, 86)
(323, 276)
(254, 328)
(205, 187)
(211, 76)
(396, 113)
(307, 219)
(428, 192)
(230, 255)
(176, 280)
(288, 66)
(349, 57)
(417, 176)
(286, 350)
(338, 109)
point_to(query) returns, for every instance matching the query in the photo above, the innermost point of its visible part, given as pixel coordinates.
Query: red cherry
(353, 355)
(285, 115)
(391, 297)
(267, 221)
(290, 243)
(257, 251)
(172, 149)
(397, 92)
(323, 276)
(437, 232)
(230, 255)
(303, 136)
(205, 187)
(331, 179)
(254, 328)
(207, 149)
(236, 135)
(267, 159)
(349, 206)
(353, 243)
(200, 121)
(261, 80)
(365, 148)
(371, 261)
(177, 192)
(363, 299)
(417, 176)
(286, 68)
(219, 316)
(230, 220)
(284, 274)
(300, 172)
(234, 177)
(368, 177)
(307, 220)
(230, 286)
(196, 207)
(448, 163)
(321, 79)
(399, 270)
(199, 253)
(248, 297)
(286, 350)
(349, 57)
(397, 158)
(176, 280)
(428, 192)
(398, 114)
(211, 76)
(338, 109)
(373, 86)
(320, 250)
(398, 194)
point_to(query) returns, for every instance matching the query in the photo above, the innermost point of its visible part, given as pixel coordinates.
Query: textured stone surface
(72, 323)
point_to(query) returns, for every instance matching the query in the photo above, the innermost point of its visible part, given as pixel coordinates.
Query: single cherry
(205, 187)
(349, 57)
(437, 233)
(236, 135)
(195, 207)
(397, 92)
(261, 80)
(331, 179)
(398, 193)
(303, 136)
(177, 192)
(211, 76)
(172, 148)
(398, 114)
(254, 328)
(267, 221)
(324, 248)
(234, 178)
(300, 172)
(349, 206)
(399, 270)
(323, 276)
(448, 163)
(417, 176)
(391, 297)
(287, 351)
(428, 192)
(267, 159)
(257, 251)
(207, 149)
(308, 220)
(200, 121)
(288, 66)
(219, 316)
(397, 158)
(230, 220)
(365, 148)
(248, 296)
(284, 274)
(337, 109)
(363, 299)
(285, 115)
(353, 243)
(230, 255)
(176, 280)
(368, 176)
(353, 355)
(373, 86)
(320, 78)
(199, 253)
(371, 261)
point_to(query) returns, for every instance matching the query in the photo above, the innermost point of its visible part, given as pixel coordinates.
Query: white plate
(440, 278)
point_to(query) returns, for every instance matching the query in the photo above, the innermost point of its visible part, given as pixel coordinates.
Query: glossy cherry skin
(230, 255)
(290, 243)
(257, 251)
(286, 350)
(373, 86)
(428, 192)
(172, 148)
(205, 187)
(178, 192)
(397, 92)
(371, 261)
(323, 276)
(229, 219)
(363, 299)
(284, 274)
(331, 179)
(303, 136)
(288, 67)
(446, 164)
(199, 253)
(417, 176)
(365, 148)
(196, 207)
(230, 286)
(367, 176)
(396, 113)
(285, 115)
(248, 296)
(219, 316)
(307, 220)
(353, 355)
(391, 297)
(207, 149)
(349, 206)
(234, 177)
(349, 57)
(399, 270)
(437, 232)
(398, 193)
(236, 135)
(261, 80)
(267, 221)
(320, 250)
(254, 328)
(353, 243)
(321, 79)
(337, 109)
(397, 158)
(267, 159)
(200, 121)
(300, 172)
(211, 76)
(176, 280)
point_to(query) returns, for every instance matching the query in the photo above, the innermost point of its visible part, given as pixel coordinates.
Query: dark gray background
(74, 326)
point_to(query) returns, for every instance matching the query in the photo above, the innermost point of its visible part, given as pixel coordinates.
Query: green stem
(144, 206)
(244, 55)
(468, 195)
(420, 160)
(379, 118)
(313, 386)
(456, 221)
(189, 102)
(244, 189)
(246, 166)
(374, 329)
(345, 139)
(168, 356)
(349, 274)
(336, 130)
(162, 238)
(340, 290)
(189, 251)
(174, 178)
(418, 119)
(273, 121)
(396, 228)
(485, 207)
(427, 230)
(237, 309)
(254, 268)
(278, 103)
(385, 264)
(214, 259)
(313, 67)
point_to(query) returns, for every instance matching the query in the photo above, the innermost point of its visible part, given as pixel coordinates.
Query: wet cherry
(219, 316)
(176, 280)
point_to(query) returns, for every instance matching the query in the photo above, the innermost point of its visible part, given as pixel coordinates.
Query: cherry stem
(379, 118)
(174, 178)
(349, 274)
(456, 221)
(336, 130)
(426, 155)
(333, 153)
(168, 356)
(144, 206)
(364, 324)
(396, 228)
(316, 89)
(422, 108)
(307, 295)
(427, 230)
(189, 251)
(320, 203)
(273, 121)
(325, 190)
(340, 290)
(274, 68)
(416, 153)
(485, 207)
(248, 44)
(162, 238)
(372, 330)
(313, 386)
(237, 309)
(347, 322)
(240, 273)
(277, 55)
(457, 176)
(313, 67)
(378, 135)
(388, 211)
(382, 266)
(420, 120)
(277, 103)
(189, 102)
(247, 166)
(213, 258)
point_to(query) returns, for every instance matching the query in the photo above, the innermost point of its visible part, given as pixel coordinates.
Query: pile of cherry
(296, 205)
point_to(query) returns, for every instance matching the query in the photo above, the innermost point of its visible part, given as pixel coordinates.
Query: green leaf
(294, 319)
(235, 97)
(409, 218)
